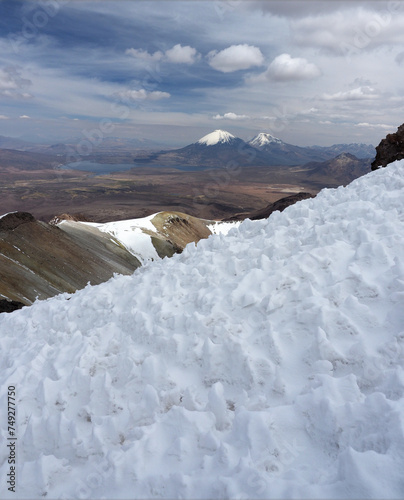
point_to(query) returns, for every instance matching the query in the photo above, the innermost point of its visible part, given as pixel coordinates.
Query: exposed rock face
(390, 149)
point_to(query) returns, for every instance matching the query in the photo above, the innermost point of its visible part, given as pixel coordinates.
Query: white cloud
(182, 55)
(25, 117)
(12, 84)
(144, 55)
(357, 94)
(3, 117)
(177, 54)
(231, 116)
(235, 57)
(287, 68)
(350, 31)
(376, 125)
(142, 95)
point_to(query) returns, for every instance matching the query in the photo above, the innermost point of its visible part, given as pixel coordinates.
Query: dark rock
(11, 221)
(9, 306)
(279, 205)
(390, 149)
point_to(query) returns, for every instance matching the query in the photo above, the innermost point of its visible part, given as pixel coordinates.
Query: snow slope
(267, 363)
(131, 234)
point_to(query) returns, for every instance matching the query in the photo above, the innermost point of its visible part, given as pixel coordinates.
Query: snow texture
(267, 363)
(216, 137)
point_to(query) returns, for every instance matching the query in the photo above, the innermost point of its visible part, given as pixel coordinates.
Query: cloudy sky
(309, 72)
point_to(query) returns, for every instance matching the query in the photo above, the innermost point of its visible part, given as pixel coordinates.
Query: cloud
(351, 31)
(231, 116)
(176, 55)
(235, 57)
(144, 55)
(376, 125)
(3, 117)
(299, 8)
(357, 94)
(287, 68)
(182, 55)
(25, 117)
(400, 58)
(142, 95)
(12, 84)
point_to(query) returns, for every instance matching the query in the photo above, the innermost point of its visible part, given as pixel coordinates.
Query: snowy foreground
(267, 363)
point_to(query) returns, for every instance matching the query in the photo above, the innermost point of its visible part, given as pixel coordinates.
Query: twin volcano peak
(263, 139)
(222, 137)
(217, 137)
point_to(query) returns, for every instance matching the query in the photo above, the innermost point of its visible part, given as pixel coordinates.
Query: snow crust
(267, 363)
(216, 137)
(263, 139)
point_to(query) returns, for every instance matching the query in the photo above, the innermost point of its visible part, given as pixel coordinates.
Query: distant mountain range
(220, 148)
(213, 150)
(105, 144)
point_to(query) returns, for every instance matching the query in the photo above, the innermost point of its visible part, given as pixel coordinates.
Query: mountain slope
(42, 260)
(340, 170)
(267, 364)
(282, 153)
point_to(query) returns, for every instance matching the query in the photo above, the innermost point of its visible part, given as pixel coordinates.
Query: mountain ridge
(220, 147)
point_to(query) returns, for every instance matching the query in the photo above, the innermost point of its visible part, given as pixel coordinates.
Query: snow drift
(267, 363)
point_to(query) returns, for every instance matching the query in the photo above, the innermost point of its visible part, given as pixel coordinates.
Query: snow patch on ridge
(130, 233)
(216, 137)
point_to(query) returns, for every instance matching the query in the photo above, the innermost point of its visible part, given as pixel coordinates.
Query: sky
(308, 72)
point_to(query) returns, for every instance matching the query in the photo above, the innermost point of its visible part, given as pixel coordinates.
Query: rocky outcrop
(11, 221)
(390, 149)
(75, 218)
(9, 306)
(279, 205)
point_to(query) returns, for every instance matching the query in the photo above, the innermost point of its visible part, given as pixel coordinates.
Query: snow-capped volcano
(216, 149)
(217, 137)
(263, 139)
